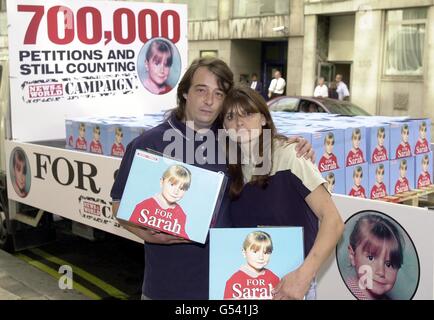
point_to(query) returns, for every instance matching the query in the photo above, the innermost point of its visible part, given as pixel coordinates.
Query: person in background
(321, 89)
(255, 84)
(341, 88)
(332, 91)
(277, 86)
(118, 148)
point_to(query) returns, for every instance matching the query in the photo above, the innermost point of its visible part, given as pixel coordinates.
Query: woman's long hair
(243, 100)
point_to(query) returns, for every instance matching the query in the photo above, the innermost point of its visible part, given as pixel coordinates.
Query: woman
(272, 187)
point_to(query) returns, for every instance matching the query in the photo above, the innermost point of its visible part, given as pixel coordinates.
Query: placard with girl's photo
(170, 196)
(248, 263)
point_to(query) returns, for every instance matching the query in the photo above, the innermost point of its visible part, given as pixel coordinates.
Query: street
(102, 270)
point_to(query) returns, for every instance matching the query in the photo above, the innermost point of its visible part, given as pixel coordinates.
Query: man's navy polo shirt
(179, 271)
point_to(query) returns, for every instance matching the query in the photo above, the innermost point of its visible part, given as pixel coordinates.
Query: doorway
(274, 57)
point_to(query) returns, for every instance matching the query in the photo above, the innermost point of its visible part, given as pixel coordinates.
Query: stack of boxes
(370, 157)
(107, 136)
(373, 157)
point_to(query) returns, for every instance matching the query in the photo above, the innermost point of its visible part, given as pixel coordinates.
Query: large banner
(75, 185)
(386, 253)
(99, 58)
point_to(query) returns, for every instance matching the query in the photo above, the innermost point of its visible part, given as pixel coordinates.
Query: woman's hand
(293, 286)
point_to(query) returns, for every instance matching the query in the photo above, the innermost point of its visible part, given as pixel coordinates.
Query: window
(284, 104)
(254, 8)
(200, 10)
(405, 42)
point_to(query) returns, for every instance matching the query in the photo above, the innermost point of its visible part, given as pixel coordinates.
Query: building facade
(252, 36)
(385, 50)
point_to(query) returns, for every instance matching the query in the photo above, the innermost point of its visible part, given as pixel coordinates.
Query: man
(277, 85)
(176, 268)
(255, 84)
(342, 89)
(321, 89)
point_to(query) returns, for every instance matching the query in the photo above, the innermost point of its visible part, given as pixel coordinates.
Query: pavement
(21, 281)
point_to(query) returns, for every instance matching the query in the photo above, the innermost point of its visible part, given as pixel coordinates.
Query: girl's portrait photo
(377, 259)
(19, 172)
(159, 66)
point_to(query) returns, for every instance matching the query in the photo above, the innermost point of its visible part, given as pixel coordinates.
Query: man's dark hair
(225, 80)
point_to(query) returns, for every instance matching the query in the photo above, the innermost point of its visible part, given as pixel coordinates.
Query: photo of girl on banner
(159, 66)
(19, 172)
(377, 259)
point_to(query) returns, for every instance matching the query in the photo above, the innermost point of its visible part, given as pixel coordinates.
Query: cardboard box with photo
(95, 135)
(355, 145)
(402, 174)
(356, 180)
(335, 180)
(424, 170)
(421, 135)
(69, 133)
(379, 180)
(80, 136)
(402, 139)
(329, 149)
(378, 142)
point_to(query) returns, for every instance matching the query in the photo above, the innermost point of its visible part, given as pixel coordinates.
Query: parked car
(311, 104)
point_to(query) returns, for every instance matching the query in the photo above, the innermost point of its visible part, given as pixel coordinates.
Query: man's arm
(147, 235)
(271, 88)
(345, 92)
